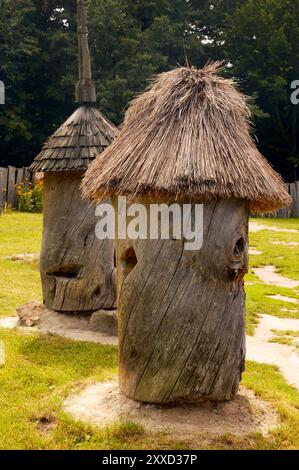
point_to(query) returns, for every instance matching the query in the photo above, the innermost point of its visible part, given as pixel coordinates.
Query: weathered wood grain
(294, 192)
(11, 189)
(77, 142)
(3, 186)
(85, 90)
(182, 313)
(77, 269)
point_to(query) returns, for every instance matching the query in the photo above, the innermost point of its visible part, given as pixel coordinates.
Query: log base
(77, 269)
(182, 313)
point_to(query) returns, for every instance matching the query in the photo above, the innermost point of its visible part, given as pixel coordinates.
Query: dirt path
(103, 404)
(257, 227)
(269, 275)
(284, 357)
(76, 334)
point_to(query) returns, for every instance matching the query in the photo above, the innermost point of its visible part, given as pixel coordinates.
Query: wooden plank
(11, 182)
(292, 192)
(296, 200)
(3, 186)
(27, 175)
(19, 176)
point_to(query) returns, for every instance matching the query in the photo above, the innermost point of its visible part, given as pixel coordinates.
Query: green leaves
(130, 41)
(260, 42)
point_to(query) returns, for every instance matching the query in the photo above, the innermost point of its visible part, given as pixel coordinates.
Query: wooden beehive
(182, 313)
(77, 269)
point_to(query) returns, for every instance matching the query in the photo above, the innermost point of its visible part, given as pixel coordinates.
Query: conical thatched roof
(188, 136)
(77, 142)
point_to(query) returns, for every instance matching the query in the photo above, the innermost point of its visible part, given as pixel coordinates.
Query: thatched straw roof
(187, 136)
(77, 142)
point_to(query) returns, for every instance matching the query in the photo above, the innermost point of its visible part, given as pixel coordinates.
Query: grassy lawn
(286, 260)
(40, 371)
(19, 280)
(288, 337)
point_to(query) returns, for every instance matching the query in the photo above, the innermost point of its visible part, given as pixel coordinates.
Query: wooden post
(11, 183)
(295, 196)
(85, 90)
(3, 187)
(77, 269)
(182, 313)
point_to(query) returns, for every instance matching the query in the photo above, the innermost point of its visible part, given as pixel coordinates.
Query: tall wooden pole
(85, 89)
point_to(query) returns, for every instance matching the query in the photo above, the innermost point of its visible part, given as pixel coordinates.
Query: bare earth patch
(269, 275)
(76, 327)
(35, 317)
(256, 227)
(32, 257)
(252, 251)
(283, 298)
(9, 322)
(284, 357)
(102, 404)
(284, 243)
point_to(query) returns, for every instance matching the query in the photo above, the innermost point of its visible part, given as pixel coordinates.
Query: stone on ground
(73, 326)
(31, 313)
(104, 321)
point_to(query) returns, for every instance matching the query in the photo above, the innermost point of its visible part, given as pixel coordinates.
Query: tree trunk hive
(77, 269)
(182, 313)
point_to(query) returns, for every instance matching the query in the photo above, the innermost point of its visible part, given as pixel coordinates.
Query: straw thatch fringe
(187, 137)
(77, 142)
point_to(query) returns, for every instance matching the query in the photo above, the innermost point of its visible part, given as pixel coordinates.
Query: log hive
(182, 313)
(77, 269)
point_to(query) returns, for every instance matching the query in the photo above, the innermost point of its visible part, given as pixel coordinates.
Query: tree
(38, 60)
(261, 42)
(132, 40)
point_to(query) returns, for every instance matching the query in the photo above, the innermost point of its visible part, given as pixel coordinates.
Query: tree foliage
(130, 41)
(262, 44)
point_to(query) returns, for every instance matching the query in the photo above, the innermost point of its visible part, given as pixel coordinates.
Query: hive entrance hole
(129, 261)
(239, 247)
(68, 272)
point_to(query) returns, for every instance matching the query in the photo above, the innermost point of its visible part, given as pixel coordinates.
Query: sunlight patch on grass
(19, 280)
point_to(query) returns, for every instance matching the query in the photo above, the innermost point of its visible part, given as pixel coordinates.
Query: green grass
(41, 370)
(287, 337)
(19, 280)
(268, 384)
(286, 261)
(292, 224)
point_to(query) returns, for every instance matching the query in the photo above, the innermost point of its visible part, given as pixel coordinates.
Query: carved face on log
(182, 313)
(77, 269)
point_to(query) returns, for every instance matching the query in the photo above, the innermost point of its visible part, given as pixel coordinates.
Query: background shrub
(30, 196)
